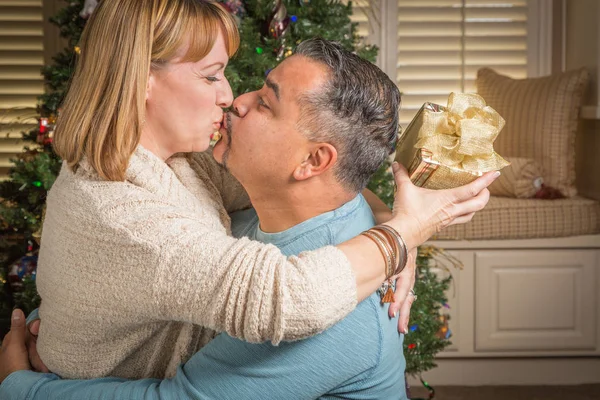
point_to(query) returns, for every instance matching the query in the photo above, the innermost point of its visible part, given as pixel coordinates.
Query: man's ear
(321, 158)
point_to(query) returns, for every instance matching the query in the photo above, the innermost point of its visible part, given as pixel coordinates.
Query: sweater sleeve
(246, 288)
(232, 193)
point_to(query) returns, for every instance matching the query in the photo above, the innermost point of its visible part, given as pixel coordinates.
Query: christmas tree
(23, 196)
(270, 31)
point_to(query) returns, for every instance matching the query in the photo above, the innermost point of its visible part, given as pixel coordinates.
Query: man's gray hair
(356, 111)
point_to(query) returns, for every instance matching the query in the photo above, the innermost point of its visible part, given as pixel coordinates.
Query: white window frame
(539, 36)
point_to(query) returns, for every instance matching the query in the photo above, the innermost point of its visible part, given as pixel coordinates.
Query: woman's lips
(217, 124)
(216, 136)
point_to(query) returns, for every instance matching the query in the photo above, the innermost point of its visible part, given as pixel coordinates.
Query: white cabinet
(523, 312)
(525, 298)
(542, 300)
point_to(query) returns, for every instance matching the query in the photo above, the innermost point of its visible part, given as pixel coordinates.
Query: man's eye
(261, 103)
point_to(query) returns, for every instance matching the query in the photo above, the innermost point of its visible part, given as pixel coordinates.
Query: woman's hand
(403, 298)
(13, 356)
(419, 213)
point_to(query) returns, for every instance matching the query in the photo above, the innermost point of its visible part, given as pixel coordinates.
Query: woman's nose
(225, 95)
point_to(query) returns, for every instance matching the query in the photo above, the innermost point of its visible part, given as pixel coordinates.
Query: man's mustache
(229, 130)
(227, 139)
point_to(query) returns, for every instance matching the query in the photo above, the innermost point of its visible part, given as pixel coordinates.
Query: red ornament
(46, 130)
(43, 125)
(412, 346)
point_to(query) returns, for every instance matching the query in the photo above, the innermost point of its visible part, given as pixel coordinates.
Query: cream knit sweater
(136, 276)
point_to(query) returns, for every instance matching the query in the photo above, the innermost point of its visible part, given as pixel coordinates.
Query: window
(21, 57)
(442, 44)
(362, 15)
(434, 47)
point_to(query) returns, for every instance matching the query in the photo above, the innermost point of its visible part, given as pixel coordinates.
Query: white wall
(582, 50)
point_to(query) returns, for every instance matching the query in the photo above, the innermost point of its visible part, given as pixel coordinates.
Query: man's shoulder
(350, 220)
(242, 222)
(330, 228)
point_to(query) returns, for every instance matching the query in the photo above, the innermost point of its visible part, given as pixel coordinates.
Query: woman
(135, 270)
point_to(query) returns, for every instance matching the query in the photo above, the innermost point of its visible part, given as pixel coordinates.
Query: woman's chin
(201, 145)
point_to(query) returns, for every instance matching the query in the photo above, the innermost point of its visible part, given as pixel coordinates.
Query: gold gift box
(447, 147)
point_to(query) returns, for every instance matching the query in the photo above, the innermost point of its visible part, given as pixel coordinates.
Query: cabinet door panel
(535, 300)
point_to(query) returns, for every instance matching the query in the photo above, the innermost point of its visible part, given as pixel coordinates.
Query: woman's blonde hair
(103, 112)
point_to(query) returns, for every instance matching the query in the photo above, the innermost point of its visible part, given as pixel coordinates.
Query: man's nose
(241, 105)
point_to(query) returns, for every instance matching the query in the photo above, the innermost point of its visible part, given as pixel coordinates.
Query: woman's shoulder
(80, 188)
(144, 211)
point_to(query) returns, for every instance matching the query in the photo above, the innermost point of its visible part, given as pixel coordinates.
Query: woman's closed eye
(209, 78)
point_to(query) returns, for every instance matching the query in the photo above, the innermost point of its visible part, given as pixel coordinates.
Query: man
(331, 119)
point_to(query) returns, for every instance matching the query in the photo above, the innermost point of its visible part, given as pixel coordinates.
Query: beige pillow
(541, 120)
(521, 179)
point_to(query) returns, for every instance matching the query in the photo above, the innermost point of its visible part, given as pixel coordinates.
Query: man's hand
(13, 356)
(403, 298)
(420, 213)
(31, 336)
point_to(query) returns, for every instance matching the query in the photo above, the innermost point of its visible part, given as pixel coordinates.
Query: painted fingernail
(16, 315)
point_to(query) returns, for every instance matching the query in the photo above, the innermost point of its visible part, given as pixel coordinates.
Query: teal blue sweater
(358, 358)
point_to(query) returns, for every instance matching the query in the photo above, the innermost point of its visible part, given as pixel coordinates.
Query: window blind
(362, 14)
(442, 44)
(21, 57)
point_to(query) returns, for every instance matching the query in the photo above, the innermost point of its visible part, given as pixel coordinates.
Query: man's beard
(227, 141)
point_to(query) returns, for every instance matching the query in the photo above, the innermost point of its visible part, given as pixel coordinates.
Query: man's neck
(283, 208)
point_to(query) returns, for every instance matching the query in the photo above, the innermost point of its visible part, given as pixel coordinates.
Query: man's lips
(224, 122)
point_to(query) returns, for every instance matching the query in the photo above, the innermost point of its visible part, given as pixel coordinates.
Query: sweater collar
(148, 171)
(144, 170)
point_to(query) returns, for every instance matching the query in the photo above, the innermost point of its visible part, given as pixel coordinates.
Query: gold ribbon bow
(462, 136)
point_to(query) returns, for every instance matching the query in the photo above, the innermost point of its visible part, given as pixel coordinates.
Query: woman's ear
(321, 159)
(150, 84)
